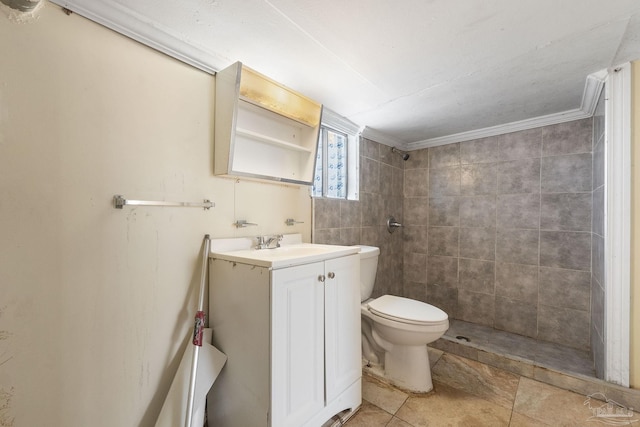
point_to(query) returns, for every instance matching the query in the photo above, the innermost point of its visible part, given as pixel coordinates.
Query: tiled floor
(518, 347)
(470, 393)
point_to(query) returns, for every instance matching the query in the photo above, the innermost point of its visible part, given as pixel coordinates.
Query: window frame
(333, 122)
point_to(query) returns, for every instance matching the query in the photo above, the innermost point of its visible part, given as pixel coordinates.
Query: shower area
(510, 225)
(503, 233)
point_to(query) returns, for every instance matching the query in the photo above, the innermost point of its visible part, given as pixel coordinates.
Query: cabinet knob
(331, 275)
(321, 278)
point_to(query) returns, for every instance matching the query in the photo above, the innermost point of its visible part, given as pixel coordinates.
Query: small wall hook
(242, 223)
(291, 221)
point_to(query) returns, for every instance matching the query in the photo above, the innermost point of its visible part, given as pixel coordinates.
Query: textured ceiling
(412, 69)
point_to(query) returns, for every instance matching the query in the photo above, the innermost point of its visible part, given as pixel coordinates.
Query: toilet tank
(368, 267)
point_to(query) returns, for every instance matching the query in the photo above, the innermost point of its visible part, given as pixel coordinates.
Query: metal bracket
(242, 223)
(291, 221)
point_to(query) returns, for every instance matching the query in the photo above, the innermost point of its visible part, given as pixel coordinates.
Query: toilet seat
(407, 310)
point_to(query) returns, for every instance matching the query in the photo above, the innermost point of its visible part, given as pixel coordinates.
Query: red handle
(198, 328)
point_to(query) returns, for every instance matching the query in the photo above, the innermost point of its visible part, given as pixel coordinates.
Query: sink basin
(286, 255)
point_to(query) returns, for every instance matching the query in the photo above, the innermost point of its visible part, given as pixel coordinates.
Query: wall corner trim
(592, 88)
(618, 225)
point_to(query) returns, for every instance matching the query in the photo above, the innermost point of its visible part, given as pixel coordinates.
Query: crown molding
(128, 22)
(551, 119)
(592, 88)
(334, 120)
(382, 138)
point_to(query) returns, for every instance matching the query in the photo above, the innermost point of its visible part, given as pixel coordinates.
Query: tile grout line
(515, 397)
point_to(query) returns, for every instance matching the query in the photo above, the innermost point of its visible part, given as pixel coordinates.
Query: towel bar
(119, 202)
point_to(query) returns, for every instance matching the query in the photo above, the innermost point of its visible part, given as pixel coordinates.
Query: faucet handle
(392, 224)
(263, 242)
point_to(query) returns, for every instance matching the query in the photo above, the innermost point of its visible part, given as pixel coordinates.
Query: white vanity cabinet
(292, 338)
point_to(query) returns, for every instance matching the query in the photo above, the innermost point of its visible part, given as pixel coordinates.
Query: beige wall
(96, 304)
(635, 227)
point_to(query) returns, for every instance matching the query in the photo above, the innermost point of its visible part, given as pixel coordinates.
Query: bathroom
(482, 220)
(96, 303)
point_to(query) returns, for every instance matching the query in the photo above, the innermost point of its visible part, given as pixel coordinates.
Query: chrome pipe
(404, 154)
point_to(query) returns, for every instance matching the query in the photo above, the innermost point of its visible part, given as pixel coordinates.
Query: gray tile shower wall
(351, 222)
(509, 240)
(498, 231)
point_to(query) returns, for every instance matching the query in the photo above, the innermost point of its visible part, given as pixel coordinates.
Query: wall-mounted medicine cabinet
(263, 129)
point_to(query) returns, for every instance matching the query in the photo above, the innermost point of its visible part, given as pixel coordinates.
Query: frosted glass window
(337, 163)
(331, 174)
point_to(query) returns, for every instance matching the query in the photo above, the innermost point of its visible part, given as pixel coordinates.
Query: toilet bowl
(396, 331)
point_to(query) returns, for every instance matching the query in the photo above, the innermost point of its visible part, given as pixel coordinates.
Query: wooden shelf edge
(270, 140)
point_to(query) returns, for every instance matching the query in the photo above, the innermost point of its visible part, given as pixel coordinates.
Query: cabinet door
(297, 343)
(342, 324)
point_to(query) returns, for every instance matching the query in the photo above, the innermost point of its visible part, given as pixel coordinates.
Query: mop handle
(203, 276)
(197, 334)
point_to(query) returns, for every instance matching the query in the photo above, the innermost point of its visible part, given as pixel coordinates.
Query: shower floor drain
(462, 338)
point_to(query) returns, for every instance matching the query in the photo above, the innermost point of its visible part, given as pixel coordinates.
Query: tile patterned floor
(540, 353)
(470, 393)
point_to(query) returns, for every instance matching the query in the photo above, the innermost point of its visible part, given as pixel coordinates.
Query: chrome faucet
(264, 242)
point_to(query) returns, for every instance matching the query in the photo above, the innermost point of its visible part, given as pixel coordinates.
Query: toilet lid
(407, 310)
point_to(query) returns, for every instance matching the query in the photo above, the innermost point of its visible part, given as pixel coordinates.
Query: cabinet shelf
(272, 141)
(263, 130)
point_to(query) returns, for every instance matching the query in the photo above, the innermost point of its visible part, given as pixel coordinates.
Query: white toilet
(396, 331)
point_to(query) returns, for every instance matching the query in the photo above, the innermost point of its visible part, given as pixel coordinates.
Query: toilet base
(406, 368)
